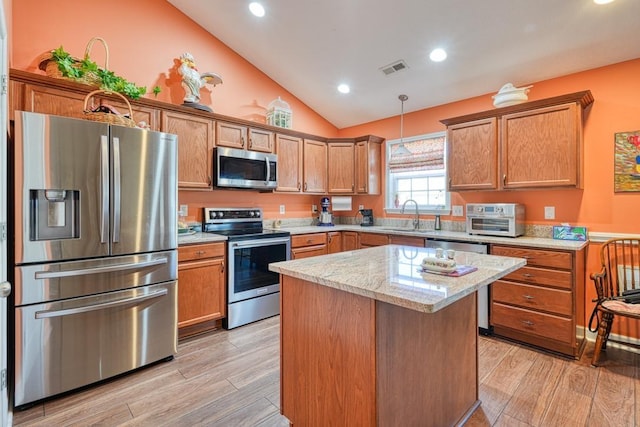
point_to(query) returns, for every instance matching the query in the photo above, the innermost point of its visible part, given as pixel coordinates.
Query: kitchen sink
(407, 230)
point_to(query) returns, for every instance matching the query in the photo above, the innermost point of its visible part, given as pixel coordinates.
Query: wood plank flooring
(231, 378)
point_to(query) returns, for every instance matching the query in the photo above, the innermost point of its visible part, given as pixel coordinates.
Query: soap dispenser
(437, 226)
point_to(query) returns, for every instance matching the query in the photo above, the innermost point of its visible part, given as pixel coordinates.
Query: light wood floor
(230, 378)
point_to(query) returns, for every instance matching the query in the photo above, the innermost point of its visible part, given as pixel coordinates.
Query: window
(416, 170)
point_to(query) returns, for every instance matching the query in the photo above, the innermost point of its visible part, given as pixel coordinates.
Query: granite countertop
(199, 237)
(391, 274)
(536, 242)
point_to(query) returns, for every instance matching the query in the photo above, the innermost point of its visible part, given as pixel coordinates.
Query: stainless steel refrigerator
(95, 252)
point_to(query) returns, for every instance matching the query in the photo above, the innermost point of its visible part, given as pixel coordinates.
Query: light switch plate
(281, 209)
(184, 210)
(549, 212)
(457, 210)
(314, 208)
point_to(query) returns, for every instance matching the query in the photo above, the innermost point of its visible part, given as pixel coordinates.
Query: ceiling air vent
(392, 68)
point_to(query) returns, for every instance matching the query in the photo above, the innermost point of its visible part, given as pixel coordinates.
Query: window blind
(423, 154)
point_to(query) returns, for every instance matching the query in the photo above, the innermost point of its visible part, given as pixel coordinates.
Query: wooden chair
(620, 274)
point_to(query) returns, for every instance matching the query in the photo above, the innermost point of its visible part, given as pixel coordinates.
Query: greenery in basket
(72, 68)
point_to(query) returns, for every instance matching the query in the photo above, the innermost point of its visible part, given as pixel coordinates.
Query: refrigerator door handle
(97, 270)
(116, 190)
(101, 306)
(104, 187)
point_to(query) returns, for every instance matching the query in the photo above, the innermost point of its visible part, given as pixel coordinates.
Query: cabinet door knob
(298, 186)
(504, 179)
(250, 142)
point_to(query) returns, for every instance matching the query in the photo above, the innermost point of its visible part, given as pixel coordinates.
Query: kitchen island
(367, 339)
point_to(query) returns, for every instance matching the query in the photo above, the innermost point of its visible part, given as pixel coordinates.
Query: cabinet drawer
(209, 250)
(534, 297)
(371, 239)
(542, 276)
(308, 252)
(533, 322)
(406, 241)
(308, 240)
(536, 257)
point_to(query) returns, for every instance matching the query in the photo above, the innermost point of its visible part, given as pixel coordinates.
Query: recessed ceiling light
(257, 9)
(344, 88)
(602, 1)
(438, 55)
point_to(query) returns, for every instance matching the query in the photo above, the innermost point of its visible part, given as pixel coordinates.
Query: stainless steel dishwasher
(483, 293)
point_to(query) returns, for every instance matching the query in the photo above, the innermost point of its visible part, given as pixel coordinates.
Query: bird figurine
(192, 81)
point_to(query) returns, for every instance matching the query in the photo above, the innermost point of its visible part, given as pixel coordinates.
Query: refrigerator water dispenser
(54, 214)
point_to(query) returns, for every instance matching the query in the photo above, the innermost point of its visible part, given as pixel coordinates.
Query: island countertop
(392, 274)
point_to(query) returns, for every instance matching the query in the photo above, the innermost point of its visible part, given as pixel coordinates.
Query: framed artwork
(627, 161)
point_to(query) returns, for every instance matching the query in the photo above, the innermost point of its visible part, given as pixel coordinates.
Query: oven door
(248, 268)
(245, 169)
(491, 226)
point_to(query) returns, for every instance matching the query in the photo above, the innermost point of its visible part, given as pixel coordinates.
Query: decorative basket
(114, 119)
(50, 67)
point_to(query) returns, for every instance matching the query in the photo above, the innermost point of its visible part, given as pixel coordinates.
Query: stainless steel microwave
(244, 169)
(495, 219)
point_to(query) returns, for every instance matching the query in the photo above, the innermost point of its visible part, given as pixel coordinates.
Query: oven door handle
(97, 270)
(101, 306)
(258, 242)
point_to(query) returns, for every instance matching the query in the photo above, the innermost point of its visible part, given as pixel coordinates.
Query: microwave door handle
(104, 188)
(266, 160)
(116, 190)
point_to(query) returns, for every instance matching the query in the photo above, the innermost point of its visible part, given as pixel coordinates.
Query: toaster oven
(495, 219)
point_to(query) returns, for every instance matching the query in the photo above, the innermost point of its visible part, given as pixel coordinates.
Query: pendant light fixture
(402, 150)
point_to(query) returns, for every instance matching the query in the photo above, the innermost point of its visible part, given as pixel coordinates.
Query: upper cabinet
(340, 167)
(195, 148)
(368, 165)
(289, 152)
(237, 136)
(314, 166)
(537, 144)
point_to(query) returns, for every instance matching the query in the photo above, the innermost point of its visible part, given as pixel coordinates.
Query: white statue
(192, 81)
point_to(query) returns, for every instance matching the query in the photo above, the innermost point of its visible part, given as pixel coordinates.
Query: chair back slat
(621, 261)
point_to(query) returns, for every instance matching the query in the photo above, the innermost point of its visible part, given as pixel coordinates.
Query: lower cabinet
(308, 245)
(201, 287)
(368, 240)
(406, 240)
(350, 240)
(541, 304)
(334, 242)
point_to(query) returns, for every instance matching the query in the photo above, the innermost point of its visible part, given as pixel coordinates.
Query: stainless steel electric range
(253, 292)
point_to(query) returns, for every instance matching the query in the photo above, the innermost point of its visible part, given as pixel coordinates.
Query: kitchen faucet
(416, 220)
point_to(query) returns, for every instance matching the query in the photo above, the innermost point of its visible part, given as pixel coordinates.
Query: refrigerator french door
(5, 286)
(95, 252)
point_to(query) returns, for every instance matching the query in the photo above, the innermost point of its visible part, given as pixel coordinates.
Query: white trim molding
(598, 237)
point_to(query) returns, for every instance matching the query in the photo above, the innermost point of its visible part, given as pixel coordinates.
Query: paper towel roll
(341, 203)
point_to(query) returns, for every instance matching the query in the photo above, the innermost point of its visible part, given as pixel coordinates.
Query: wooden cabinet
(334, 242)
(395, 239)
(195, 148)
(289, 151)
(543, 303)
(542, 147)
(473, 155)
(237, 136)
(315, 166)
(201, 287)
(368, 165)
(537, 144)
(350, 241)
(340, 167)
(368, 240)
(308, 245)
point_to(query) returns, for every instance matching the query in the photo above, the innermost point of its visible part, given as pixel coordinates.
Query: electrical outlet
(360, 207)
(282, 209)
(184, 210)
(314, 208)
(549, 212)
(457, 210)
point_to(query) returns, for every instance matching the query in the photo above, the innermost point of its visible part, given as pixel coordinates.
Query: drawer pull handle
(309, 241)
(528, 297)
(528, 275)
(200, 252)
(528, 322)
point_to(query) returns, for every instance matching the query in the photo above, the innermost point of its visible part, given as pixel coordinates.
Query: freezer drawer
(67, 344)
